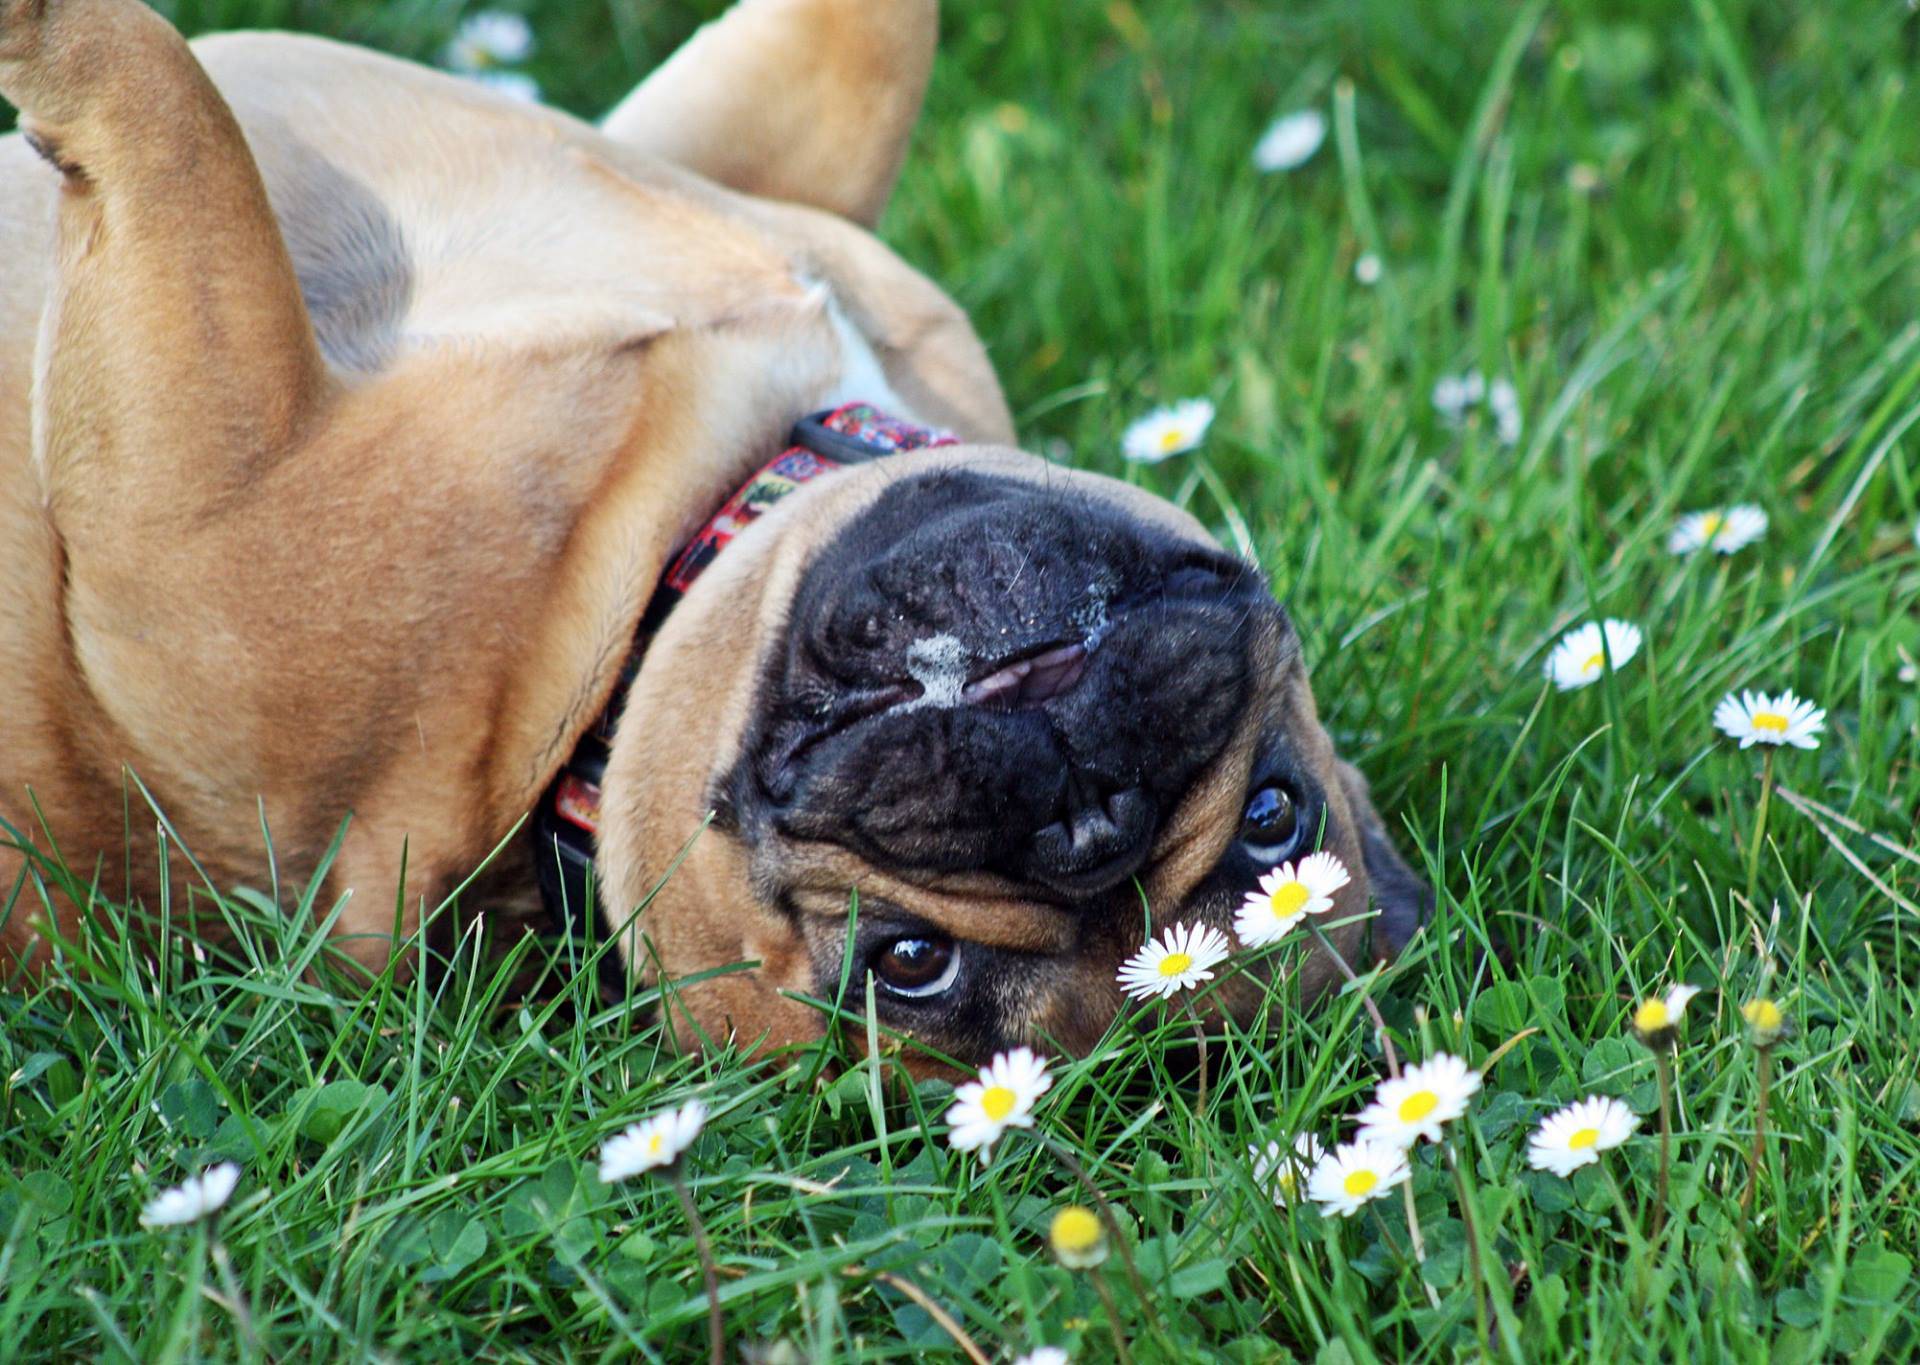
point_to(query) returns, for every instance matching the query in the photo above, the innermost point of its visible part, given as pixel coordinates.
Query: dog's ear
(806, 100)
(1405, 901)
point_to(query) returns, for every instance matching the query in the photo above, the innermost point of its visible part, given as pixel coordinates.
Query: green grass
(1689, 235)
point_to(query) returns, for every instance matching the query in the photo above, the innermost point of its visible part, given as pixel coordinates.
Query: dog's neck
(566, 821)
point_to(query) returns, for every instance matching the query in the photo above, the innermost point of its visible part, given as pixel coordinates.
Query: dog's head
(970, 724)
(959, 722)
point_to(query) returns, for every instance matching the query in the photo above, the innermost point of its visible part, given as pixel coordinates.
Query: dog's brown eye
(917, 965)
(1271, 826)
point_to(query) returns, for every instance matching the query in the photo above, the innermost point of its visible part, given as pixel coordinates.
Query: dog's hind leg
(805, 100)
(175, 358)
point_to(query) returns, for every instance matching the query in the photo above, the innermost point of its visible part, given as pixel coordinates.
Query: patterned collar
(566, 822)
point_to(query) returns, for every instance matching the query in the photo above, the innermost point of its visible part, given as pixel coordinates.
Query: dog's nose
(1099, 841)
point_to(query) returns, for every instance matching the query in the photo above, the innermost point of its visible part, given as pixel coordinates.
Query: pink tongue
(1031, 681)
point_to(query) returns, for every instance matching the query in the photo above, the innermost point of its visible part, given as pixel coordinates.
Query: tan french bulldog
(350, 414)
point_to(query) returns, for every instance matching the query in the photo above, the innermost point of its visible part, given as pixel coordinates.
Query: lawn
(1687, 235)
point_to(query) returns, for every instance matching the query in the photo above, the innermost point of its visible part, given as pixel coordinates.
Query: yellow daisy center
(1770, 721)
(1288, 1181)
(1595, 662)
(654, 1144)
(997, 1102)
(1583, 1139)
(1651, 1016)
(1289, 898)
(1417, 1106)
(1764, 1015)
(1171, 438)
(1075, 1229)
(1711, 523)
(1358, 1183)
(1175, 963)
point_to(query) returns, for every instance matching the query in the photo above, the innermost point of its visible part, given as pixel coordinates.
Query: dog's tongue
(1031, 681)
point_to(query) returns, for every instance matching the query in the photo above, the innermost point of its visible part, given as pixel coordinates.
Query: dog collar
(566, 822)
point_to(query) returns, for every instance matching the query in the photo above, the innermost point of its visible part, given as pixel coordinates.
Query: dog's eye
(917, 965)
(1271, 827)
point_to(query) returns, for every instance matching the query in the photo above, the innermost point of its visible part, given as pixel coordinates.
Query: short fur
(348, 414)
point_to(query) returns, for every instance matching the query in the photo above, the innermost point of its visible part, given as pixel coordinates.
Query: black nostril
(1097, 844)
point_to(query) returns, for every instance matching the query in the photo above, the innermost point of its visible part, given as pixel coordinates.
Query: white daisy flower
(1281, 1172)
(1180, 960)
(1453, 394)
(1354, 1174)
(1503, 400)
(1002, 1098)
(192, 1199)
(652, 1143)
(1368, 270)
(1655, 1019)
(1043, 1355)
(1419, 1102)
(515, 85)
(488, 40)
(1755, 718)
(1286, 896)
(1726, 529)
(1581, 656)
(1290, 140)
(1575, 1136)
(1166, 431)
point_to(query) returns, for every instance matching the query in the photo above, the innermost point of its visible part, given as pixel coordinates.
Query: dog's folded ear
(1404, 900)
(805, 100)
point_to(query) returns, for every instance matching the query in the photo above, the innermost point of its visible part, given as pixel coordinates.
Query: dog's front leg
(175, 357)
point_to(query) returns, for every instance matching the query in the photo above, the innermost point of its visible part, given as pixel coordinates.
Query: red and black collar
(567, 820)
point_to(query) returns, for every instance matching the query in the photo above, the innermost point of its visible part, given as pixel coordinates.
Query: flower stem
(1419, 1242)
(1105, 1291)
(1200, 1037)
(1759, 825)
(1759, 1133)
(1663, 1069)
(716, 1334)
(1473, 1249)
(1373, 1010)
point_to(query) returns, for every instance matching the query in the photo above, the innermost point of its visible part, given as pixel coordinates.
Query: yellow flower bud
(1766, 1021)
(1077, 1238)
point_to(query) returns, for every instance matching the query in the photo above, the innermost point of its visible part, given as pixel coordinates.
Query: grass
(1688, 235)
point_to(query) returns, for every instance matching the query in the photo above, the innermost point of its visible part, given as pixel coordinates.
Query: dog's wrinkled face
(1010, 719)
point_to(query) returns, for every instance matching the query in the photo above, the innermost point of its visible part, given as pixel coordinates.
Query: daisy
(1077, 1239)
(652, 1143)
(1414, 1106)
(1356, 1173)
(1368, 270)
(1166, 431)
(1278, 1171)
(1726, 529)
(1655, 1019)
(1286, 896)
(489, 40)
(1043, 1355)
(1453, 394)
(1002, 1098)
(1504, 402)
(515, 85)
(1575, 1136)
(1180, 960)
(1755, 718)
(1581, 656)
(1766, 1020)
(192, 1199)
(1290, 140)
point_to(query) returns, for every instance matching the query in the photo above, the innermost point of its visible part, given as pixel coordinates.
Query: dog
(351, 416)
